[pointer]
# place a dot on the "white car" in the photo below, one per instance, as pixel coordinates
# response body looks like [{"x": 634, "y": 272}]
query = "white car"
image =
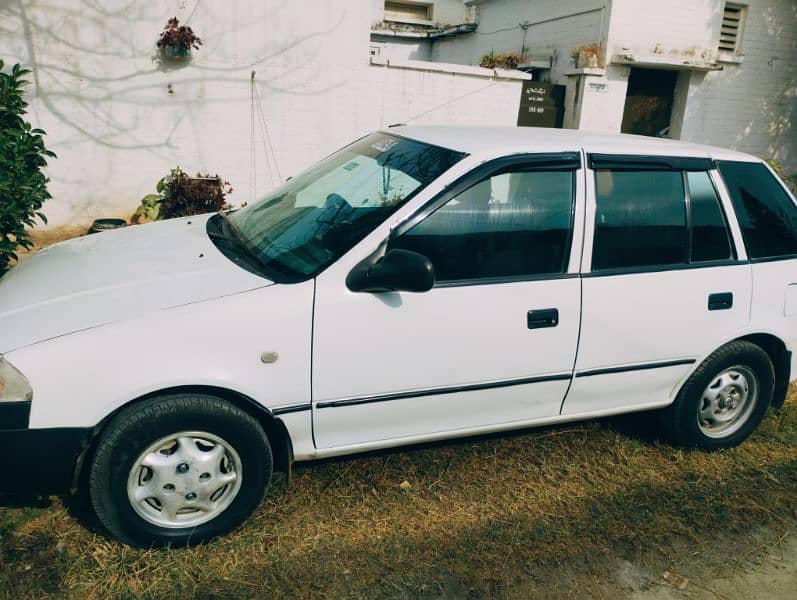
[{"x": 421, "y": 283}]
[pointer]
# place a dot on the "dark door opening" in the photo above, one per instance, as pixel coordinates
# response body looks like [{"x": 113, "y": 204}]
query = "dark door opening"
[{"x": 648, "y": 102}]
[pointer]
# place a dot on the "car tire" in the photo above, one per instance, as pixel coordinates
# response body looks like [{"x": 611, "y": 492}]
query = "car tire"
[
  {"x": 178, "y": 470},
  {"x": 723, "y": 400}
]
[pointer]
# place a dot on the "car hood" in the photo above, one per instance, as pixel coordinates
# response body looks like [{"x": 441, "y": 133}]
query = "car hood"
[{"x": 111, "y": 276}]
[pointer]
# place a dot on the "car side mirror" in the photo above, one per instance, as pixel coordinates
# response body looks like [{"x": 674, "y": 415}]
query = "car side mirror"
[{"x": 397, "y": 271}]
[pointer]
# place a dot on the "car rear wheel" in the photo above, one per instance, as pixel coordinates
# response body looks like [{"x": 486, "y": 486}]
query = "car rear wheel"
[
  {"x": 724, "y": 400},
  {"x": 179, "y": 470}
]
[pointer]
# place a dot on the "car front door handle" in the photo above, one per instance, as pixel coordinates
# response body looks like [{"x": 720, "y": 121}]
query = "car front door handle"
[
  {"x": 546, "y": 317},
  {"x": 720, "y": 301}
]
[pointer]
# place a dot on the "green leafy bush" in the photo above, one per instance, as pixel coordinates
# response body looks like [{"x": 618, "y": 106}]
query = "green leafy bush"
[{"x": 23, "y": 186}]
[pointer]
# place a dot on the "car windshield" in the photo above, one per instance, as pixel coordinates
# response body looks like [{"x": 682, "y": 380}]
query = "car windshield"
[{"x": 312, "y": 220}]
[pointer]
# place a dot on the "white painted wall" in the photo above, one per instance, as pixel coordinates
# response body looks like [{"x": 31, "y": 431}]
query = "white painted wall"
[
  {"x": 444, "y": 12},
  {"x": 752, "y": 106},
  {"x": 672, "y": 30},
  {"x": 119, "y": 121},
  {"x": 598, "y": 105},
  {"x": 397, "y": 48},
  {"x": 556, "y": 30}
]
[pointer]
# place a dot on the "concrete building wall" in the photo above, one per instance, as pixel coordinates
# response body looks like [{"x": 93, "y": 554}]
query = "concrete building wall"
[
  {"x": 665, "y": 31},
  {"x": 556, "y": 28},
  {"x": 119, "y": 119},
  {"x": 444, "y": 12},
  {"x": 397, "y": 48},
  {"x": 752, "y": 105},
  {"x": 747, "y": 102}
]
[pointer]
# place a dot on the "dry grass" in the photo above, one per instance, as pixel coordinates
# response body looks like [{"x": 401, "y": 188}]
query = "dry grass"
[{"x": 545, "y": 512}]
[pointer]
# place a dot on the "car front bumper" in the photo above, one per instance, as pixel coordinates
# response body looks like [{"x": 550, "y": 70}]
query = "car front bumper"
[{"x": 39, "y": 460}]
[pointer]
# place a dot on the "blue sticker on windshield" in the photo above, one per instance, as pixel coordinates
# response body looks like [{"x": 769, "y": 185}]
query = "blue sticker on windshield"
[{"x": 351, "y": 166}]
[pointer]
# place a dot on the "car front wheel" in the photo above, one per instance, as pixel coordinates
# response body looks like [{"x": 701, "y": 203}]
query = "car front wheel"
[{"x": 178, "y": 470}]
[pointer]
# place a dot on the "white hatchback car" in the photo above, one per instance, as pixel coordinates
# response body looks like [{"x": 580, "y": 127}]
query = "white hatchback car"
[{"x": 421, "y": 283}]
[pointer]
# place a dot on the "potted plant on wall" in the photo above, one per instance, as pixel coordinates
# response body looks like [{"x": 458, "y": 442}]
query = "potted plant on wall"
[
  {"x": 588, "y": 56},
  {"x": 176, "y": 41},
  {"x": 505, "y": 60},
  {"x": 179, "y": 195}
]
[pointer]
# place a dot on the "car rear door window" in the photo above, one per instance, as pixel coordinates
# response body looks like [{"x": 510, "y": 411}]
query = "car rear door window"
[
  {"x": 640, "y": 219},
  {"x": 710, "y": 237},
  {"x": 766, "y": 213},
  {"x": 512, "y": 225}
]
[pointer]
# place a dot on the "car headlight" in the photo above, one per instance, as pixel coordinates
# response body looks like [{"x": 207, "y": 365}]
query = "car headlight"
[{"x": 13, "y": 385}]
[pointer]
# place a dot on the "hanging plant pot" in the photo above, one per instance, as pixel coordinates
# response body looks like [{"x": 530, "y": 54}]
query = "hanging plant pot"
[
  {"x": 175, "y": 54},
  {"x": 176, "y": 41}
]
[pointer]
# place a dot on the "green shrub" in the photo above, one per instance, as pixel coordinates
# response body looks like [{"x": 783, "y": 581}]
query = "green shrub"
[{"x": 23, "y": 186}]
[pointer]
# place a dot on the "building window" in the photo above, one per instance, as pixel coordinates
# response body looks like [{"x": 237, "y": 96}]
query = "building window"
[
  {"x": 732, "y": 23},
  {"x": 408, "y": 11}
]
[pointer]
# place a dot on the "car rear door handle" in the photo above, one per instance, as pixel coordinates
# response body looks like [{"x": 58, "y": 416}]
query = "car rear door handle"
[
  {"x": 546, "y": 317},
  {"x": 720, "y": 301}
]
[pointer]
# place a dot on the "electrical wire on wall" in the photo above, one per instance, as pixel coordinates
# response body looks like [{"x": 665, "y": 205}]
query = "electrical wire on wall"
[
  {"x": 252, "y": 147},
  {"x": 188, "y": 20},
  {"x": 524, "y": 26},
  {"x": 447, "y": 102},
  {"x": 259, "y": 115}
]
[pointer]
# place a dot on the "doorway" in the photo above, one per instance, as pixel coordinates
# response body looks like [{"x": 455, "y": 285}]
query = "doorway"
[{"x": 648, "y": 102}]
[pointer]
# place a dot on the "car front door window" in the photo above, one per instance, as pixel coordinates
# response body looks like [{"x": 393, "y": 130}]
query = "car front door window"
[{"x": 512, "y": 225}]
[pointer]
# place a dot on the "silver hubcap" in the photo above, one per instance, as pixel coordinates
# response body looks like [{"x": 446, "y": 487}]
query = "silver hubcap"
[
  {"x": 728, "y": 402},
  {"x": 184, "y": 480}
]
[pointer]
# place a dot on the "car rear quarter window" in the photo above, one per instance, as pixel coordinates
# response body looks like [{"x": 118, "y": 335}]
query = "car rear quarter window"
[
  {"x": 640, "y": 219},
  {"x": 766, "y": 213},
  {"x": 710, "y": 236},
  {"x": 512, "y": 225}
]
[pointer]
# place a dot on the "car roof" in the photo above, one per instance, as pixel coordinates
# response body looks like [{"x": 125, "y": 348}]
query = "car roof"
[{"x": 475, "y": 140}]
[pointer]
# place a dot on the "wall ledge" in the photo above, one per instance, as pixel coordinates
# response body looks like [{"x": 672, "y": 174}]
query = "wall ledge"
[
  {"x": 423, "y": 65},
  {"x": 664, "y": 61},
  {"x": 599, "y": 71}
]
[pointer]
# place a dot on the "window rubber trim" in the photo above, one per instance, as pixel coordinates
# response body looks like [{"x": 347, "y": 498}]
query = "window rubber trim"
[
  {"x": 663, "y": 268},
  {"x": 502, "y": 280},
  {"x": 766, "y": 259},
  {"x": 641, "y": 162}
]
